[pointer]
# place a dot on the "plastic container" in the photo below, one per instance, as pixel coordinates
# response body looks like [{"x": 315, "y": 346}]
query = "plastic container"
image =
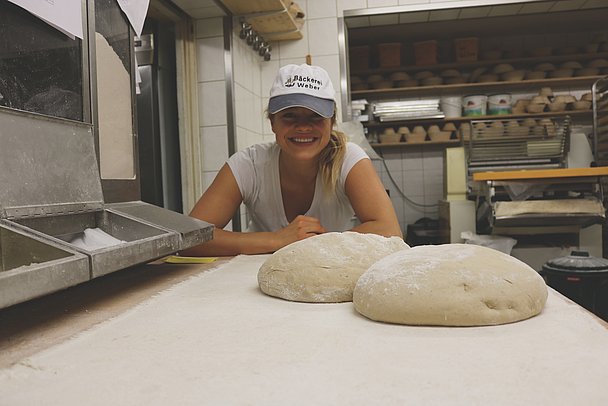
[
  {"x": 389, "y": 55},
  {"x": 474, "y": 105},
  {"x": 466, "y": 49},
  {"x": 425, "y": 53},
  {"x": 582, "y": 278},
  {"x": 499, "y": 104},
  {"x": 451, "y": 106}
]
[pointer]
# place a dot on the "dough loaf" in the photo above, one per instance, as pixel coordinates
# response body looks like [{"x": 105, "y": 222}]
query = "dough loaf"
[
  {"x": 450, "y": 285},
  {"x": 324, "y": 268}
]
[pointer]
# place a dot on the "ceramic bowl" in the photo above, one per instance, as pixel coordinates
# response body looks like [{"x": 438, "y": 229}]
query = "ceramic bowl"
[
  {"x": 440, "y": 136},
  {"x": 399, "y": 76},
  {"x": 546, "y": 67},
  {"x": 407, "y": 83},
  {"x": 556, "y": 106},
  {"x": 514, "y": 75},
  {"x": 432, "y": 81},
  {"x": 389, "y": 138},
  {"x": 374, "y": 78},
  {"x": 415, "y": 138},
  {"x": 581, "y": 105},
  {"x": 540, "y": 99},
  {"x": 564, "y": 98},
  {"x": 561, "y": 73},
  {"x": 449, "y": 127},
  {"x": 598, "y": 63},
  {"x": 536, "y": 75},
  {"x": 535, "y": 108},
  {"x": 424, "y": 74},
  {"x": 587, "y": 72},
  {"x": 503, "y": 68},
  {"x": 382, "y": 84},
  {"x": 571, "y": 65}
]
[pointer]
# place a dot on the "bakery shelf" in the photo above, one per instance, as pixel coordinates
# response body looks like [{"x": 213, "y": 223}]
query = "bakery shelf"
[
  {"x": 417, "y": 144},
  {"x": 480, "y": 63},
  {"x": 468, "y": 88},
  {"x": 572, "y": 113},
  {"x": 273, "y": 19}
]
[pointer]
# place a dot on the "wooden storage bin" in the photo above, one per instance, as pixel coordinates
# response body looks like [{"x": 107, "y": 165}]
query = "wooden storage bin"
[
  {"x": 425, "y": 52},
  {"x": 389, "y": 55},
  {"x": 359, "y": 57},
  {"x": 466, "y": 49}
]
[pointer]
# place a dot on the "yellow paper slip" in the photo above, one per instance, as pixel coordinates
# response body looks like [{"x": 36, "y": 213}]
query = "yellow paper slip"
[{"x": 176, "y": 259}]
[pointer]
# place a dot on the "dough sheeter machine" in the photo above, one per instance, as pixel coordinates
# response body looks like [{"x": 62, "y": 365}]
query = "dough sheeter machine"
[
  {"x": 520, "y": 180},
  {"x": 51, "y": 193}
]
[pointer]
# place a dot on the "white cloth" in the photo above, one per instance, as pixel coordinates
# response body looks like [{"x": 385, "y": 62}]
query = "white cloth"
[{"x": 256, "y": 170}]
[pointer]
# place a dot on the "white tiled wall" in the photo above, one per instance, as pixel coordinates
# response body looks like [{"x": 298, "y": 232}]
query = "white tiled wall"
[
  {"x": 211, "y": 96},
  {"x": 417, "y": 172}
]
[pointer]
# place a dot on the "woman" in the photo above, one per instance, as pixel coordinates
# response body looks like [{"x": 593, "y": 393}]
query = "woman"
[{"x": 310, "y": 181}]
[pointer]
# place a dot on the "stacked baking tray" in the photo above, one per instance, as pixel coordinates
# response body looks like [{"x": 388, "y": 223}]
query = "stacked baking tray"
[
  {"x": 407, "y": 110},
  {"x": 516, "y": 144},
  {"x": 51, "y": 196}
]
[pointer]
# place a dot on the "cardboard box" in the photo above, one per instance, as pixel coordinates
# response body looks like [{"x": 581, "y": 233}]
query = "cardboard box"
[
  {"x": 466, "y": 49},
  {"x": 389, "y": 55},
  {"x": 425, "y": 53}
]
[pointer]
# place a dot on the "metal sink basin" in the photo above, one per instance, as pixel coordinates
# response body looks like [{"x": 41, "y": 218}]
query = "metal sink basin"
[
  {"x": 142, "y": 242},
  {"x": 31, "y": 267}
]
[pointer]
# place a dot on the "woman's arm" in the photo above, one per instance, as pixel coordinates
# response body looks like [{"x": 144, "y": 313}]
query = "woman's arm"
[
  {"x": 218, "y": 205},
  {"x": 370, "y": 201}
]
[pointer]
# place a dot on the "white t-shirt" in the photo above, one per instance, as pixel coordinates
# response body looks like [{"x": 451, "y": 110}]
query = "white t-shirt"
[{"x": 256, "y": 170}]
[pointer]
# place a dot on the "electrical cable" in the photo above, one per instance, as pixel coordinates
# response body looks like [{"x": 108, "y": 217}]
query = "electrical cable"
[{"x": 407, "y": 199}]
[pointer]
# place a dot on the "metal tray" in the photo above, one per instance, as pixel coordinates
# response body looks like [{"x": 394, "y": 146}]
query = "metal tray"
[
  {"x": 31, "y": 266},
  {"x": 143, "y": 242},
  {"x": 191, "y": 231}
]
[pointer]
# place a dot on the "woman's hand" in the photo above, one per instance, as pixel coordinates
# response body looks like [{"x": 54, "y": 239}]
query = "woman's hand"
[{"x": 300, "y": 228}]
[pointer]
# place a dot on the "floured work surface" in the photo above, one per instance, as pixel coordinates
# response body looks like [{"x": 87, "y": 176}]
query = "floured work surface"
[
  {"x": 216, "y": 339},
  {"x": 559, "y": 206}
]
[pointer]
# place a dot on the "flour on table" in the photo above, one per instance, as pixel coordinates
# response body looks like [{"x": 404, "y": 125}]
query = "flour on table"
[
  {"x": 450, "y": 285},
  {"x": 324, "y": 268}
]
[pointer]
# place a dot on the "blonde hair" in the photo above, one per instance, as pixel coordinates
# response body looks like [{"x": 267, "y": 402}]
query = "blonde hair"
[{"x": 331, "y": 159}]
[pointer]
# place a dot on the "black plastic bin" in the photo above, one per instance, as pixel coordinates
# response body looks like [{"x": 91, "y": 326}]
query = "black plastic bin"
[{"x": 582, "y": 278}]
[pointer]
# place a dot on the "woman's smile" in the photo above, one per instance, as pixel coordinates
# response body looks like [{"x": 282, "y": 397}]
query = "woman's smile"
[{"x": 302, "y": 140}]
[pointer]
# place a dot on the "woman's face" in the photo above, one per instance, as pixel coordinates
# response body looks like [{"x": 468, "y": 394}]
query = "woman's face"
[{"x": 301, "y": 133}]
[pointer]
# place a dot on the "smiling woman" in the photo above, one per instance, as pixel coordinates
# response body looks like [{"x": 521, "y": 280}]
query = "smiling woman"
[{"x": 308, "y": 182}]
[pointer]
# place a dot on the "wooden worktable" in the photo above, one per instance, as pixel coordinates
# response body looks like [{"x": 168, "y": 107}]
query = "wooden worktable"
[
  {"x": 542, "y": 173},
  {"x": 216, "y": 339}
]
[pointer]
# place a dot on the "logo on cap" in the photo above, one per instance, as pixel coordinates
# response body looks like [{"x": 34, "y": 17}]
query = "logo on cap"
[{"x": 305, "y": 82}]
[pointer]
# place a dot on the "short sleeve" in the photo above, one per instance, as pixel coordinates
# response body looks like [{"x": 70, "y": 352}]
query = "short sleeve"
[
  {"x": 242, "y": 167},
  {"x": 354, "y": 154}
]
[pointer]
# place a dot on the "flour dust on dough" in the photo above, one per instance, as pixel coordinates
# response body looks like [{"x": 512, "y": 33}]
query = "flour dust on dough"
[
  {"x": 324, "y": 268},
  {"x": 450, "y": 285}
]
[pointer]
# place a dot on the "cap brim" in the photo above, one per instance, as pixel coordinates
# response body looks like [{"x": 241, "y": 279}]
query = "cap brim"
[{"x": 323, "y": 107}]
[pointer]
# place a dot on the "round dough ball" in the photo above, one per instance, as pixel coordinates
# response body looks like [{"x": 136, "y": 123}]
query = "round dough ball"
[
  {"x": 324, "y": 268},
  {"x": 450, "y": 285}
]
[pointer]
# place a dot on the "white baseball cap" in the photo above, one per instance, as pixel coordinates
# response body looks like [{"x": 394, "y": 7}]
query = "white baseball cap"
[{"x": 302, "y": 86}]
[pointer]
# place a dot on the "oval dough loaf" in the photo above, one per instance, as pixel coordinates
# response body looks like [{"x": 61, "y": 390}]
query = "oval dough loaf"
[
  {"x": 324, "y": 268},
  {"x": 450, "y": 285}
]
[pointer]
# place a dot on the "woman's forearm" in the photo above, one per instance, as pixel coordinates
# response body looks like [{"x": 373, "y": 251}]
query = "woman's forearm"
[{"x": 229, "y": 243}]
